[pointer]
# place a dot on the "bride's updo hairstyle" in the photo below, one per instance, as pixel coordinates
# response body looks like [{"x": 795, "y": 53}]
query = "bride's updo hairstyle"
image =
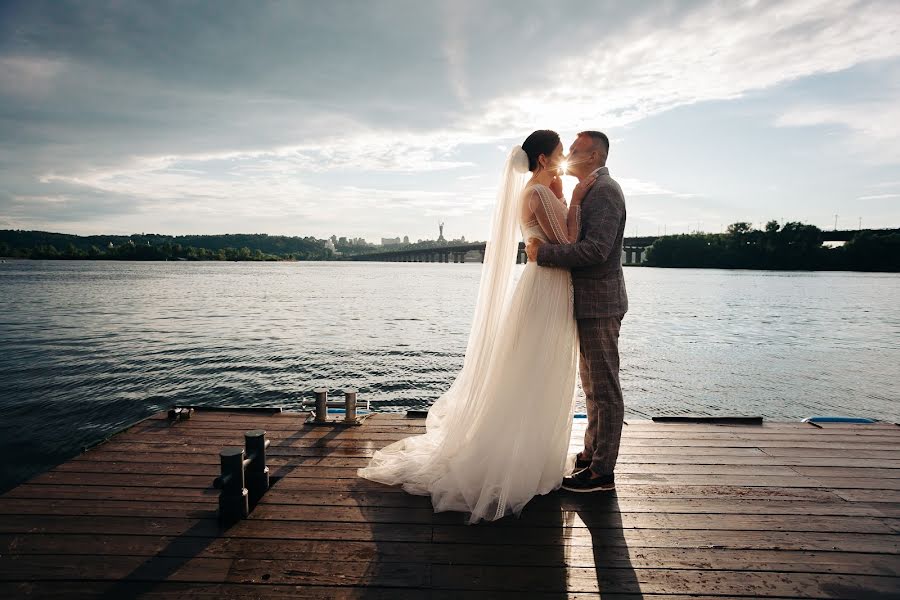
[{"x": 542, "y": 141}]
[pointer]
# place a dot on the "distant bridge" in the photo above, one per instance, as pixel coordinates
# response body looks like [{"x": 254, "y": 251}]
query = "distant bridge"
[
  {"x": 633, "y": 253},
  {"x": 634, "y": 250}
]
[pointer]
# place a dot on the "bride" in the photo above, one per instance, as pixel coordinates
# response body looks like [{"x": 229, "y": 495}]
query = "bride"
[{"x": 500, "y": 434}]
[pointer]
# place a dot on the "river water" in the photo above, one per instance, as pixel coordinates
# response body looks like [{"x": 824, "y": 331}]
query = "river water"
[{"x": 89, "y": 347}]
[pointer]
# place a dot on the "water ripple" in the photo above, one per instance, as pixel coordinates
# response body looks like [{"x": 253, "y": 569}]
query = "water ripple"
[{"x": 86, "y": 348}]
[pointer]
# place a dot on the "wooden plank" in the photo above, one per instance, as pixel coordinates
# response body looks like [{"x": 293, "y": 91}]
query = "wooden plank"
[
  {"x": 332, "y": 480},
  {"x": 286, "y": 427},
  {"x": 210, "y": 527},
  {"x": 296, "y": 491},
  {"x": 868, "y": 495},
  {"x": 352, "y": 447},
  {"x": 711, "y": 540},
  {"x": 619, "y": 503},
  {"x": 455, "y": 577},
  {"x": 314, "y": 467},
  {"x": 628, "y": 463},
  {"x": 569, "y": 536},
  {"x": 108, "y": 492},
  {"x": 406, "y": 515},
  {"x": 871, "y": 472},
  {"x": 622, "y": 489},
  {"x": 338, "y": 457},
  {"x": 228, "y": 591},
  {"x": 612, "y": 555},
  {"x": 124, "y": 479},
  {"x": 660, "y": 581},
  {"x": 212, "y": 570},
  {"x": 109, "y": 508},
  {"x": 282, "y": 426},
  {"x": 136, "y": 499},
  {"x": 831, "y": 452},
  {"x": 644, "y": 520},
  {"x": 292, "y": 433}
]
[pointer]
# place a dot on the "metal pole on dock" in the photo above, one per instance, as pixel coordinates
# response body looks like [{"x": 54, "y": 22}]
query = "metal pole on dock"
[
  {"x": 350, "y": 405},
  {"x": 257, "y": 473},
  {"x": 234, "y": 500},
  {"x": 321, "y": 405}
]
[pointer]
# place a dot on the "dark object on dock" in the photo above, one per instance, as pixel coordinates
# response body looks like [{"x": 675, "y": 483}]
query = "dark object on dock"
[
  {"x": 711, "y": 420},
  {"x": 180, "y": 413},
  {"x": 256, "y": 473},
  {"x": 261, "y": 410},
  {"x": 234, "y": 501},
  {"x": 244, "y": 476},
  {"x": 416, "y": 414},
  {"x": 321, "y": 406}
]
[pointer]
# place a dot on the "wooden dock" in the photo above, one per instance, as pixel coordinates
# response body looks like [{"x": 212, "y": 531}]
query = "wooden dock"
[{"x": 784, "y": 510}]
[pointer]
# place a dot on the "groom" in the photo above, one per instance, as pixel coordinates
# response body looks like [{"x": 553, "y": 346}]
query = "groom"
[{"x": 600, "y": 303}]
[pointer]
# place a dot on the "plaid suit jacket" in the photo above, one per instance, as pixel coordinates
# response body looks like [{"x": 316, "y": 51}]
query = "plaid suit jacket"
[{"x": 596, "y": 257}]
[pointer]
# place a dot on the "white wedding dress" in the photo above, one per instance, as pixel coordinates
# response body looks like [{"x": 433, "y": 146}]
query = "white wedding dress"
[{"x": 500, "y": 434}]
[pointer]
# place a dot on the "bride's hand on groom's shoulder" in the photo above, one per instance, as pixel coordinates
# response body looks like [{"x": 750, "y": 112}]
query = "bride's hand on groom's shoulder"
[{"x": 582, "y": 188}]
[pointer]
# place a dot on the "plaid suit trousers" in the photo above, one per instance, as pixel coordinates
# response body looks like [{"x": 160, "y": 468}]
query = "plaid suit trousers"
[{"x": 599, "y": 368}]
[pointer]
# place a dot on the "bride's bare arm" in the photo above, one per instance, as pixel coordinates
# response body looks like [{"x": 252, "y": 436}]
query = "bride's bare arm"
[{"x": 560, "y": 224}]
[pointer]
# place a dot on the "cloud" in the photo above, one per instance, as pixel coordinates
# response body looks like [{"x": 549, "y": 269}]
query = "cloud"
[
  {"x": 28, "y": 76},
  {"x": 871, "y": 129},
  {"x": 879, "y": 197},
  {"x": 454, "y": 47},
  {"x": 720, "y": 51},
  {"x": 637, "y": 187},
  {"x": 156, "y": 106}
]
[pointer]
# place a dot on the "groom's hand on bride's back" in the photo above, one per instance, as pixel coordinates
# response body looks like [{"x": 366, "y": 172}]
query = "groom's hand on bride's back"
[{"x": 532, "y": 247}]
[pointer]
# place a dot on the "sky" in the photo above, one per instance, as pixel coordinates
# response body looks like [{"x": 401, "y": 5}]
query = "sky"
[{"x": 382, "y": 119}]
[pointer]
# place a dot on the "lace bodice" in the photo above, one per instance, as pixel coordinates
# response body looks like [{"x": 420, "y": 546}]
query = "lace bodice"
[{"x": 546, "y": 217}]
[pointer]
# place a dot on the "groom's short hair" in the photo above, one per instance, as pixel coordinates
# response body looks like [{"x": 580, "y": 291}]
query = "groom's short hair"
[{"x": 599, "y": 139}]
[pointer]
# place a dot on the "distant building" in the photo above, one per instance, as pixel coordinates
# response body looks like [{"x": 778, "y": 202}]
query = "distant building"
[
  {"x": 342, "y": 241},
  {"x": 391, "y": 241},
  {"x": 329, "y": 245},
  {"x": 405, "y": 239}
]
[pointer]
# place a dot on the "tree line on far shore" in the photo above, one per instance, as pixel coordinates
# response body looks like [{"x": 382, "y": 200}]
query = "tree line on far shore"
[
  {"x": 230, "y": 247},
  {"x": 792, "y": 246}
]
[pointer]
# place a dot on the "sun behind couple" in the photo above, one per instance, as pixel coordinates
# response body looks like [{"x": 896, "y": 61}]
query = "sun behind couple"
[{"x": 500, "y": 434}]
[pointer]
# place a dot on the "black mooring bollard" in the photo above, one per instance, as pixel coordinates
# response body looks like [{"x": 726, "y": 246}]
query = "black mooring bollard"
[
  {"x": 257, "y": 473},
  {"x": 234, "y": 500}
]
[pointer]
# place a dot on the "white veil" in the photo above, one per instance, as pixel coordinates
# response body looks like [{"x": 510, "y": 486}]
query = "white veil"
[
  {"x": 416, "y": 461},
  {"x": 494, "y": 291}
]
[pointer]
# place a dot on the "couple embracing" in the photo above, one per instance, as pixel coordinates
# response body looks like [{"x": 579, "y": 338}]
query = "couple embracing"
[{"x": 500, "y": 435}]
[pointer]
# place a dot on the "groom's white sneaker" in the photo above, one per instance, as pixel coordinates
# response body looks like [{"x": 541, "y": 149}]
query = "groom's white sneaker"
[{"x": 584, "y": 481}]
